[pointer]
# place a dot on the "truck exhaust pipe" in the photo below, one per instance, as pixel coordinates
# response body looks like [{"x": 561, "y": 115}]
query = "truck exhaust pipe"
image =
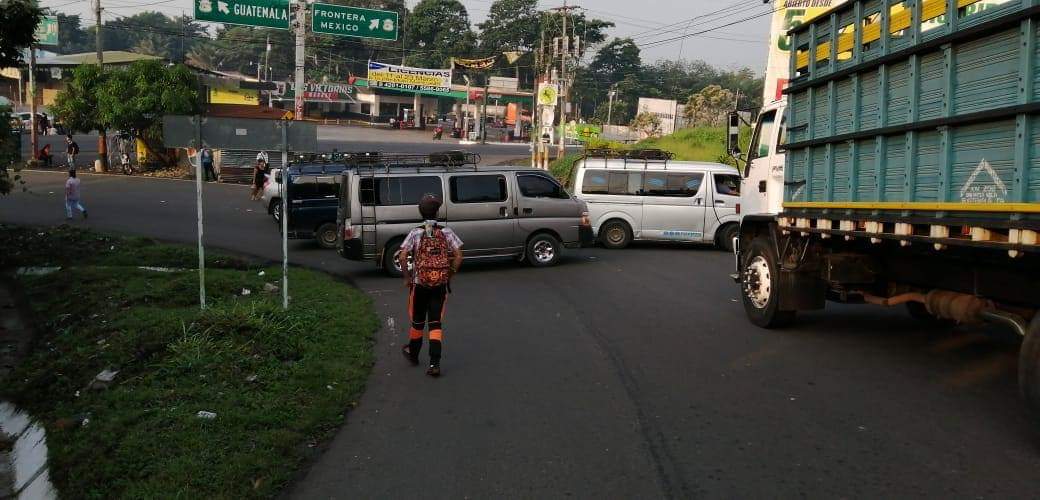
[{"x": 959, "y": 307}]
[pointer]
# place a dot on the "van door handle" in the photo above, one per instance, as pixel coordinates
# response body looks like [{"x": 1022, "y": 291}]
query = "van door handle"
[
  {"x": 720, "y": 202},
  {"x": 528, "y": 211},
  {"x": 697, "y": 201},
  {"x": 502, "y": 211}
]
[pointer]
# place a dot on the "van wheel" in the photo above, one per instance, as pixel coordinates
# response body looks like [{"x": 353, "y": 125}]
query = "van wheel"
[
  {"x": 326, "y": 235},
  {"x": 759, "y": 286},
  {"x": 391, "y": 264},
  {"x": 615, "y": 234},
  {"x": 1029, "y": 368},
  {"x": 725, "y": 238},
  {"x": 543, "y": 250},
  {"x": 275, "y": 209}
]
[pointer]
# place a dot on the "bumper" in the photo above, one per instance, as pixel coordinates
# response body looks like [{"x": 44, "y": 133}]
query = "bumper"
[{"x": 351, "y": 249}]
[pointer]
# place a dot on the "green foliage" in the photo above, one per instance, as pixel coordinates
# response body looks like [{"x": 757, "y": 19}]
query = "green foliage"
[
  {"x": 136, "y": 98},
  {"x": 647, "y": 124},
  {"x": 144, "y": 439},
  {"x": 18, "y": 20},
  {"x": 710, "y": 106},
  {"x": 9, "y": 154},
  {"x": 697, "y": 144},
  {"x": 563, "y": 169},
  {"x": 511, "y": 25},
  {"x": 72, "y": 38},
  {"x": 77, "y": 104},
  {"x": 441, "y": 30}
]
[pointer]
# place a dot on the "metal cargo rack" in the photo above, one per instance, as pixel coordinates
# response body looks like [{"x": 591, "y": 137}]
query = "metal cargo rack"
[
  {"x": 637, "y": 157},
  {"x": 373, "y": 163}
]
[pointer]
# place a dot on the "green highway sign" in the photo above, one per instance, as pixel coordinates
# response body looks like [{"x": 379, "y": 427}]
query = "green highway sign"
[
  {"x": 265, "y": 13},
  {"x": 340, "y": 20}
]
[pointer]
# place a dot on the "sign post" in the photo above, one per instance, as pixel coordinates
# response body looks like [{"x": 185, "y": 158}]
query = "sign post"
[
  {"x": 283, "y": 191},
  {"x": 341, "y": 20},
  {"x": 198, "y": 207},
  {"x": 264, "y": 13}
]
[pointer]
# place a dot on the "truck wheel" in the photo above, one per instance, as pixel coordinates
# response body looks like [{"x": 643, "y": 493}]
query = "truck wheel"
[
  {"x": 615, "y": 234},
  {"x": 1029, "y": 367},
  {"x": 725, "y": 238},
  {"x": 391, "y": 264},
  {"x": 759, "y": 286},
  {"x": 543, "y": 250},
  {"x": 275, "y": 209},
  {"x": 326, "y": 235}
]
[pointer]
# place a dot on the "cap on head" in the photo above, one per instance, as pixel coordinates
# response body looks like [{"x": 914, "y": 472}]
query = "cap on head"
[
  {"x": 428, "y": 206},
  {"x": 72, "y": 172},
  {"x": 261, "y": 156}
]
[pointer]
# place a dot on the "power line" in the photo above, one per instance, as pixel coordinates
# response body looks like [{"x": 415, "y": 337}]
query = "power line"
[{"x": 701, "y": 32}]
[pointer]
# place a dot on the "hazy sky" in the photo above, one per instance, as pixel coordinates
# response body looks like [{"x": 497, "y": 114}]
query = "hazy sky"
[{"x": 647, "y": 21}]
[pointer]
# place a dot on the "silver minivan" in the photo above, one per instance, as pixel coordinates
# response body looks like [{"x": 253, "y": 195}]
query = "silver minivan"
[
  {"x": 497, "y": 211},
  {"x": 643, "y": 195}
]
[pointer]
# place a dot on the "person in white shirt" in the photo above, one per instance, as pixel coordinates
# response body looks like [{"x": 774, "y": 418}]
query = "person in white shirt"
[{"x": 72, "y": 196}]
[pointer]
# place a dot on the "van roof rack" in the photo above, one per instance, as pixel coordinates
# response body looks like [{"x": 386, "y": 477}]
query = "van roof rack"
[
  {"x": 388, "y": 161},
  {"x": 637, "y": 157}
]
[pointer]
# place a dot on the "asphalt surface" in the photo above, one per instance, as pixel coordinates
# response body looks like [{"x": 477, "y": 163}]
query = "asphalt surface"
[{"x": 627, "y": 374}]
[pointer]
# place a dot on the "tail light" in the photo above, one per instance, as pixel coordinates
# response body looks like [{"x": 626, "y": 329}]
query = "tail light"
[
  {"x": 738, "y": 208},
  {"x": 348, "y": 232},
  {"x": 585, "y": 219}
]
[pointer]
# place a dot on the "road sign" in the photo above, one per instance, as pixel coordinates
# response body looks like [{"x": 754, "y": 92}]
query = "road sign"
[
  {"x": 238, "y": 133},
  {"x": 341, "y": 20},
  {"x": 47, "y": 31},
  {"x": 265, "y": 13},
  {"x": 548, "y": 93}
]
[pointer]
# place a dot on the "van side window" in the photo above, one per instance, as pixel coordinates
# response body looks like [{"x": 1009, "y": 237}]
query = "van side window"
[
  {"x": 594, "y": 182},
  {"x": 394, "y": 191},
  {"x": 478, "y": 189},
  {"x": 672, "y": 184},
  {"x": 727, "y": 184},
  {"x": 540, "y": 186}
]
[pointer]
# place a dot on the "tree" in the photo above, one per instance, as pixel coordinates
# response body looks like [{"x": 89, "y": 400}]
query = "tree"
[
  {"x": 441, "y": 30},
  {"x": 72, "y": 38},
  {"x": 153, "y": 33},
  {"x": 136, "y": 99},
  {"x": 77, "y": 105},
  {"x": 647, "y": 124},
  {"x": 709, "y": 106},
  {"x": 18, "y": 20},
  {"x": 615, "y": 61},
  {"x": 511, "y": 25}
]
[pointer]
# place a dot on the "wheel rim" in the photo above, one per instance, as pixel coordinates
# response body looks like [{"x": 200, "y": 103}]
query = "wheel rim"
[
  {"x": 544, "y": 251},
  {"x": 329, "y": 236},
  {"x": 757, "y": 282},
  {"x": 616, "y": 235},
  {"x": 397, "y": 261},
  {"x": 277, "y": 212}
]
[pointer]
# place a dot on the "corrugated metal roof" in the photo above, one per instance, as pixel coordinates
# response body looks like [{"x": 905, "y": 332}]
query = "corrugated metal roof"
[{"x": 110, "y": 57}]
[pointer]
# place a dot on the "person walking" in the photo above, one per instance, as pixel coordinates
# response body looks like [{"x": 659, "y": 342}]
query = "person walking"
[
  {"x": 207, "y": 164},
  {"x": 437, "y": 253},
  {"x": 71, "y": 150},
  {"x": 259, "y": 175},
  {"x": 72, "y": 196}
]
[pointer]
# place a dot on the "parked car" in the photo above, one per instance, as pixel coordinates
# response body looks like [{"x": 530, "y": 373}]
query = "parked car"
[
  {"x": 643, "y": 195},
  {"x": 497, "y": 211},
  {"x": 312, "y": 194}
]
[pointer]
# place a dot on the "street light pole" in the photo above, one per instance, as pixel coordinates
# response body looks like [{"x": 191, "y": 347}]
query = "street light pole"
[
  {"x": 102, "y": 140},
  {"x": 610, "y": 102},
  {"x": 301, "y": 40}
]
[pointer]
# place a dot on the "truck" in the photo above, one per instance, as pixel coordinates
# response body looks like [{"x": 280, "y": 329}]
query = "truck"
[{"x": 901, "y": 167}]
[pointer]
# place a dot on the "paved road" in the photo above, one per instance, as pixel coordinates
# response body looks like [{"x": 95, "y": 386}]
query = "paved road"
[{"x": 629, "y": 374}]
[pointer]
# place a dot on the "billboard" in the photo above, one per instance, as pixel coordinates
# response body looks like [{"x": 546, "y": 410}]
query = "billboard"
[
  {"x": 315, "y": 92},
  {"x": 788, "y": 14},
  {"x": 47, "y": 31},
  {"x": 392, "y": 76},
  {"x": 664, "y": 109}
]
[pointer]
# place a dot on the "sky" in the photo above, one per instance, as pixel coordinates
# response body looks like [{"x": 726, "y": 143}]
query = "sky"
[{"x": 742, "y": 44}]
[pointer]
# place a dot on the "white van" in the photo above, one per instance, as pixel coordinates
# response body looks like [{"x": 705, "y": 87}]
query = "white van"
[{"x": 643, "y": 195}]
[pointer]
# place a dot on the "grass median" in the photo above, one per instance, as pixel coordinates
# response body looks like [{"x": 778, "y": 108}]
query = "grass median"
[{"x": 278, "y": 382}]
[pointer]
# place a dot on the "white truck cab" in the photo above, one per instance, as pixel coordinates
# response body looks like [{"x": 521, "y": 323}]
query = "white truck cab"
[{"x": 762, "y": 170}]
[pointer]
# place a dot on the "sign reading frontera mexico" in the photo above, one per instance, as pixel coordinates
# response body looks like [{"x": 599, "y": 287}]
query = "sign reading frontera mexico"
[
  {"x": 392, "y": 76},
  {"x": 266, "y": 13}
]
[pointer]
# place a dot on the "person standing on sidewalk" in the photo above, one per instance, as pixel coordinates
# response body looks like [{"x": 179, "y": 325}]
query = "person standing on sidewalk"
[
  {"x": 437, "y": 253},
  {"x": 207, "y": 164},
  {"x": 72, "y": 199},
  {"x": 259, "y": 175},
  {"x": 71, "y": 150}
]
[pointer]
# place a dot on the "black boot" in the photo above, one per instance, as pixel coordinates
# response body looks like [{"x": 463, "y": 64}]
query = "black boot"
[
  {"x": 435, "y": 359},
  {"x": 411, "y": 351}
]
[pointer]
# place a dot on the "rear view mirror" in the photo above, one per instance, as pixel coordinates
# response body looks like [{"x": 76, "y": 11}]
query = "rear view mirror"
[{"x": 733, "y": 134}]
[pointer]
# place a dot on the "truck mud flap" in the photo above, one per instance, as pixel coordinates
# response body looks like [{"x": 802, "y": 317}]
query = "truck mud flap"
[{"x": 801, "y": 291}]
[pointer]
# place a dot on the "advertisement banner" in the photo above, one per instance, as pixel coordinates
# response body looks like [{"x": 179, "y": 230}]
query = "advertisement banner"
[
  {"x": 789, "y": 14},
  {"x": 315, "y": 92},
  {"x": 664, "y": 109},
  {"x": 392, "y": 76},
  {"x": 47, "y": 31}
]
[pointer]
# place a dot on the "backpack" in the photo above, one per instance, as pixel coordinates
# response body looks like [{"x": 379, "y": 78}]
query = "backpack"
[{"x": 433, "y": 259}]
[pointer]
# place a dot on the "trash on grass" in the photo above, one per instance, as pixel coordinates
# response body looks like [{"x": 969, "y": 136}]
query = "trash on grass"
[
  {"x": 208, "y": 415},
  {"x": 246, "y": 291}
]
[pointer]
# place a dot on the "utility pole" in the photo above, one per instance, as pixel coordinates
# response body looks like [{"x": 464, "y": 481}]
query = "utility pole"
[
  {"x": 102, "y": 140},
  {"x": 267, "y": 60},
  {"x": 610, "y": 103},
  {"x": 565, "y": 49},
  {"x": 301, "y": 39},
  {"x": 33, "y": 137}
]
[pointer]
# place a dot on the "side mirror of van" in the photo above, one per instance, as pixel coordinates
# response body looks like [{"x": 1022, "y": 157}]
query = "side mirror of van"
[{"x": 733, "y": 134}]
